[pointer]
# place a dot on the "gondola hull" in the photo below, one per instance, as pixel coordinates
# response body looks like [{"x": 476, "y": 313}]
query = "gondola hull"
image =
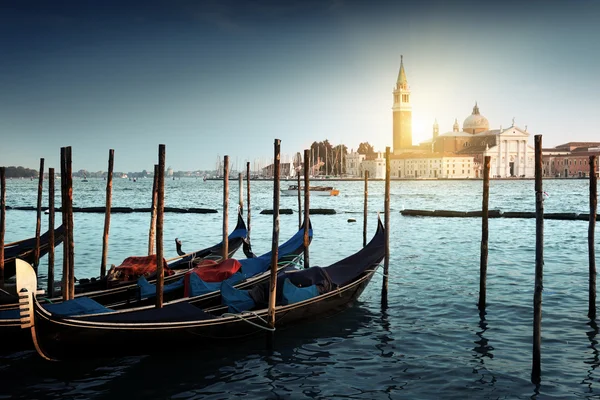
[
  {"x": 25, "y": 250},
  {"x": 180, "y": 326},
  {"x": 60, "y": 339}
]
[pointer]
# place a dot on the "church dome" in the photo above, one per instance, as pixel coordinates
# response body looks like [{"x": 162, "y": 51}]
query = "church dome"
[{"x": 475, "y": 122}]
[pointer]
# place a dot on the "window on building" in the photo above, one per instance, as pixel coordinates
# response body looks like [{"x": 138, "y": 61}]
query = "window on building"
[
  {"x": 447, "y": 172},
  {"x": 468, "y": 171},
  {"x": 463, "y": 172},
  {"x": 453, "y": 172}
]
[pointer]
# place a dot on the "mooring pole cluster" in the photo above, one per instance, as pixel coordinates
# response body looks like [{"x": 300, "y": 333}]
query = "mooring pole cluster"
[
  {"x": 38, "y": 224},
  {"x": 225, "y": 206},
  {"x": 160, "y": 214},
  {"x": 152, "y": 231},
  {"x": 591, "y": 236},
  {"x": 111, "y": 159},
  {"x": 51, "y": 224},
  {"x": 248, "y": 198},
  {"x": 275, "y": 240},
  {"x": 306, "y": 207}
]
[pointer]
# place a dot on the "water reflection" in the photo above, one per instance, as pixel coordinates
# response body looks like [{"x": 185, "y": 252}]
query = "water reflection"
[
  {"x": 481, "y": 352},
  {"x": 301, "y": 360},
  {"x": 594, "y": 360}
]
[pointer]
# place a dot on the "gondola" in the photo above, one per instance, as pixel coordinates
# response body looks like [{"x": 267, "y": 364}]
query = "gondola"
[
  {"x": 25, "y": 250},
  {"x": 105, "y": 292},
  {"x": 308, "y": 294},
  {"x": 138, "y": 295}
]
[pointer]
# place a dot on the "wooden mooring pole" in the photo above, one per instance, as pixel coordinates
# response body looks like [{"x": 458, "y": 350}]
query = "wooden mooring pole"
[
  {"x": 591, "y": 236},
  {"x": 51, "y": 224},
  {"x": 69, "y": 165},
  {"x": 111, "y": 158},
  {"x": 2, "y": 221},
  {"x": 241, "y": 192},
  {"x": 386, "y": 260},
  {"x": 225, "y": 206},
  {"x": 536, "y": 371},
  {"x": 306, "y": 207},
  {"x": 152, "y": 231},
  {"x": 483, "y": 260},
  {"x": 38, "y": 223},
  {"x": 365, "y": 208},
  {"x": 65, "y": 223},
  {"x": 275, "y": 241},
  {"x": 299, "y": 199},
  {"x": 248, "y": 198},
  {"x": 160, "y": 214}
]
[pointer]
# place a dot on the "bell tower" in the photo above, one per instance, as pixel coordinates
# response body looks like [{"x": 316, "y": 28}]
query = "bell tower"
[{"x": 402, "y": 113}]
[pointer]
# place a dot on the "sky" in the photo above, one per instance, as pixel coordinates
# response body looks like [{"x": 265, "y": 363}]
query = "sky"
[{"x": 221, "y": 77}]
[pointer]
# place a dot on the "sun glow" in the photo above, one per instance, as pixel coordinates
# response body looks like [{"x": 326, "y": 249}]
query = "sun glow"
[{"x": 422, "y": 128}]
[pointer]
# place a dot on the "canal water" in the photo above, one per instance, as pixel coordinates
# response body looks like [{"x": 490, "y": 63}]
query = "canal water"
[{"x": 430, "y": 343}]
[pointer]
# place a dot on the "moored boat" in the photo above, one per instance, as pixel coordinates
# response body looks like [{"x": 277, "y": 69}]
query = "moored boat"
[
  {"x": 292, "y": 190},
  {"x": 141, "y": 293},
  {"x": 25, "y": 250},
  {"x": 180, "y": 326}
]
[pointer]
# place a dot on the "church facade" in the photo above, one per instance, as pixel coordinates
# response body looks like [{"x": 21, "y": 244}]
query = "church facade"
[{"x": 455, "y": 154}]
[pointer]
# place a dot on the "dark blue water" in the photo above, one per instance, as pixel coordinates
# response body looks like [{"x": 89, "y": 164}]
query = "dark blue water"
[{"x": 431, "y": 342}]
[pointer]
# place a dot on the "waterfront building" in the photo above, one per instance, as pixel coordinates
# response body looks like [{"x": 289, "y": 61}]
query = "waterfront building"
[
  {"x": 570, "y": 160},
  {"x": 375, "y": 164},
  {"x": 353, "y": 163},
  {"x": 433, "y": 166}
]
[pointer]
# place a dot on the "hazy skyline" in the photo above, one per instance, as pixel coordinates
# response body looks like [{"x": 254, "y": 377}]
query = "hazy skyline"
[{"x": 223, "y": 77}]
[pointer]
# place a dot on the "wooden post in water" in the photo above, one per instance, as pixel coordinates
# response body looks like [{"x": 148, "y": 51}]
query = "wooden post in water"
[
  {"x": 111, "y": 157},
  {"x": 2, "y": 221},
  {"x": 386, "y": 260},
  {"x": 65, "y": 223},
  {"x": 536, "y": 371},
  {"x": 241, "y": 192},
  {"x": 248, "y": 198},
  {"x": 275, "y": 242},
  {"x": 483, "y": 260},
  {"x": 69, "y": 165},
  {"x": 299, "y": 199},
  {"x": 591, "y": 236},
  {"x": 51, "y": 224},
  {"x": 306, "y": 207},
  {"x": 38, "y": 224},
  {"x": 365, "y": 208},
  {"x": 225, "y": 206},
  {"x": 151, "y": 242},
  {"x": 160, "y": 214}
]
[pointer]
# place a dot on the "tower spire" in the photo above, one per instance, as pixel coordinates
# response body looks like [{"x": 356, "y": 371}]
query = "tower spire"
[{"x": 402, "y": 82}]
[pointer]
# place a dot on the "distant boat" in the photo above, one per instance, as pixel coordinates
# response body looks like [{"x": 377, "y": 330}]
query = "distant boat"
[
  {"x": 135, "y": 179},
  {"x": 84, "y": 178},
  {"x": 314, "y": 190}
]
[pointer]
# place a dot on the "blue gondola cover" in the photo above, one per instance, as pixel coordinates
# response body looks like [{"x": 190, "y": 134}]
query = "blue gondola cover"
[
  {"x": 78, "y": 306},
  {"x": 293, "y": 294},
  {"x": 148, "y": 290},
  {"x": 236, "y": 300}
]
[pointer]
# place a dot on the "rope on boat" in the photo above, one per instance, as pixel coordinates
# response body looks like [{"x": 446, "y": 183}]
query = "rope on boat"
[
  {"x": 266, "y": 328},
  {"x": 382, "y": 274}
]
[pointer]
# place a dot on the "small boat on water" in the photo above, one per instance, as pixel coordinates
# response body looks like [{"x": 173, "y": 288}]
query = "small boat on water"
[
  {"x": 302, "y": 295},
  {"x": 25, "y": 250},
  {"x": 314, "y": 190}
]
